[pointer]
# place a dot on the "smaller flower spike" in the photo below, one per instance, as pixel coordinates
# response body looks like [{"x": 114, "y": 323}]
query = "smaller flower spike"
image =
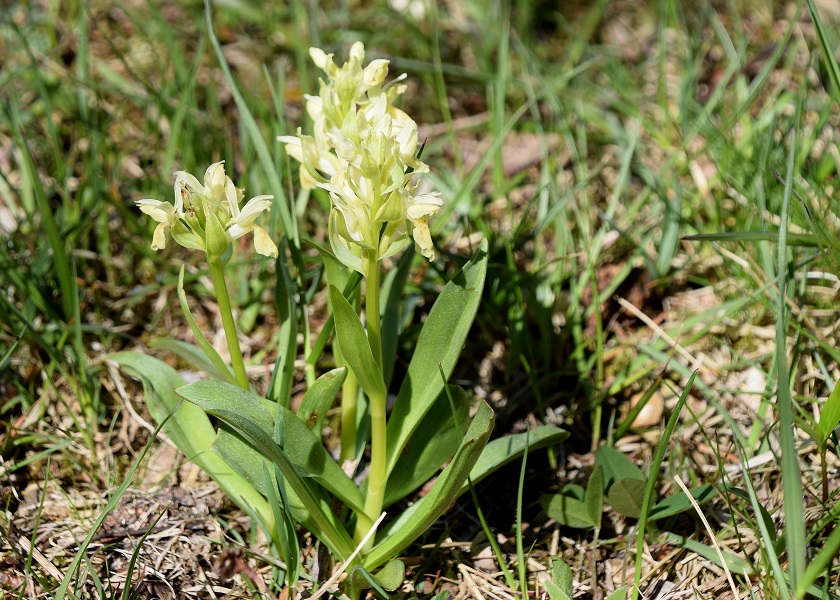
[{"x": 216, "y": 199}]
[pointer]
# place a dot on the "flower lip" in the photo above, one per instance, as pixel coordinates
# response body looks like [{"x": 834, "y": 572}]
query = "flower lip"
[{"x": 162, "y": 212}]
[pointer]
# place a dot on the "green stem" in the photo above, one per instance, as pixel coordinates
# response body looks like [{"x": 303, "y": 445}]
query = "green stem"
[
  {"x": 309, "y": 368},
  {"x": 372, "y": 308},
  {"x": 377, "y": 477},
  {"x": 349, "y": 395},
  {"x": 217, "y": 274},
  {"x": 349, "y": 406}
]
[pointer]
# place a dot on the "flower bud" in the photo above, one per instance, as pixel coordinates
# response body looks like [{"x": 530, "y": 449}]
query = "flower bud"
[{"x": 215, "y": 241}]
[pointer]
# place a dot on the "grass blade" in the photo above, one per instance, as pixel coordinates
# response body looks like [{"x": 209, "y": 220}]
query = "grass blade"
[
  {"x": 650, "y": 492},
  {"x": 289, "y": 224},
  {"x": 827, "y": 51},
  {"x": 791, "y": 476},
  {"x": 32, "y": 179}
]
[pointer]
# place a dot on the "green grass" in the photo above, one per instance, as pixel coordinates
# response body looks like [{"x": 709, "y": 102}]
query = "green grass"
[{"x": 646, "y": 123}]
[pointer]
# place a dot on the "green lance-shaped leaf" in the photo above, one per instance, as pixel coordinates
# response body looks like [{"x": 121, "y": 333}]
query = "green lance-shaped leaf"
[
  {"x": 318, "y": 398},
  {"x": 303, "y": 447},
  {"x": 438, "y": 346},
  {"x": 434, "y": 443},
  {"x": 423, "y": 513},
  {"x": 355, "y": 346},
  {"x": 829, "y": 417},
  {"x": 342, "y": 278},
  {"x": 337, "y": 272},
  {"x": 679, "y": 502},
  {"x": 245, "y": 412},
  {"x": 286, "y": 536},
  {"x": 241, "y": 457},
  {"x": 249, "y": 464},
  {"x": 503, "y": 450},
  {"x": 734, "y": 563},
  {"x": 190, "y": 429}
]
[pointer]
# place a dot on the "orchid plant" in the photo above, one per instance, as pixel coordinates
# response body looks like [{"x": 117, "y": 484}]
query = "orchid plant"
[{"x": 272, "y": 461}]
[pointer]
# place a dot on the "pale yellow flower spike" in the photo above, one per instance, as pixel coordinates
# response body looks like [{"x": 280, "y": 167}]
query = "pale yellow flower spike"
[{"x": 363, "y": 152}]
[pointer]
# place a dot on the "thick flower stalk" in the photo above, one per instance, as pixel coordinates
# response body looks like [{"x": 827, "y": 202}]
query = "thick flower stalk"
[{"x": 207, "y": 217}]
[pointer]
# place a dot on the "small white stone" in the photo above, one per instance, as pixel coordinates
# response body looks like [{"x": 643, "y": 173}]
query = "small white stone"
[
  {"x": 753, "y": 385},
  {"x": 651, "y": 413}
]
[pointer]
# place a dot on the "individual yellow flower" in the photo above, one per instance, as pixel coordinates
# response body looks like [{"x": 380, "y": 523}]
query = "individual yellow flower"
[
  {"x": 418, "y": 211},
  {"x": 242, "y": 223},
  {"x": 166, "y": 216},
  {"x": 317, "y": 163}
]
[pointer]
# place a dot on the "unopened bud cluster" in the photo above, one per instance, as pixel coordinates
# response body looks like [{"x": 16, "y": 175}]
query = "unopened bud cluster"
[{"x": 363, "y": 152}]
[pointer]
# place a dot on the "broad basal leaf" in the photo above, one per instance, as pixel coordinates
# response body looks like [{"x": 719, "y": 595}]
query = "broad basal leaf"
[
  {"x": 438, "y": 346},
  {"x": 433, "y": 443},
  {"x": 190, "y": 429},
  {"x": 249, "y": 464},
  {"x": 319, "y": 397},
  {"x": 501, "y": 451},
  {"x": 303, "y": 457}
]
